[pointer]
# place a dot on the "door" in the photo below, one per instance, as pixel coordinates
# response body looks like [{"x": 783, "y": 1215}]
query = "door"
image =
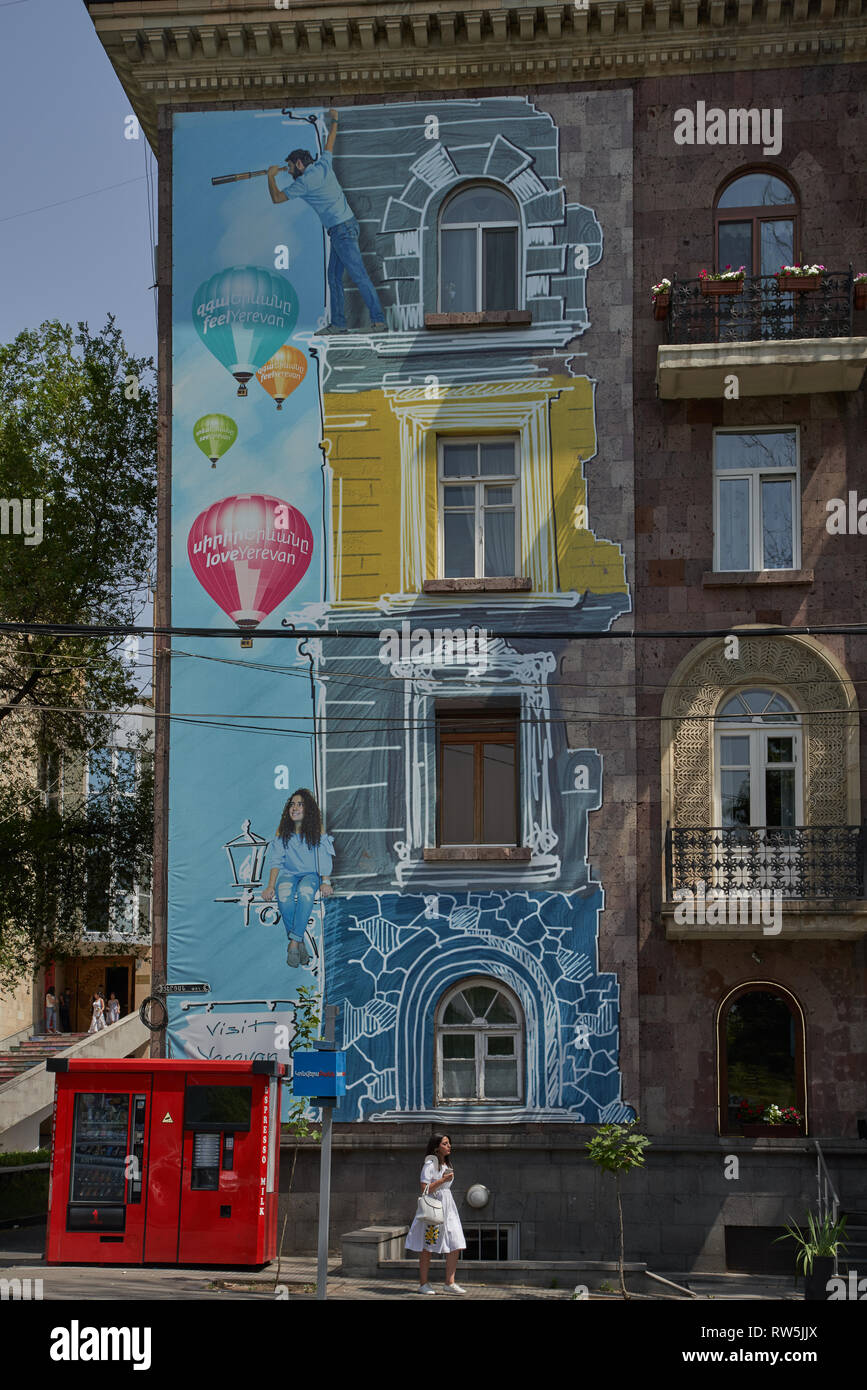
[
  {"x": 759, "y": 807},
  {"x": 104, "y": 1128}
]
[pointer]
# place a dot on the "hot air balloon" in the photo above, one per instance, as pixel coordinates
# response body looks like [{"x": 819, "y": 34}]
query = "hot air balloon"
[
  {"x": 286, "y": 370},
  {"x": 243, "y": 315},
  {"x": 249, "y": 552},
  {"x": 215, "y": 435}
]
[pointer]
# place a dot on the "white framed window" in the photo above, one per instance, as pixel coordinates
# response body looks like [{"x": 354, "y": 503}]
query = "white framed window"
[
  {"x": 50, "y": 780},
  {"x": 113, "y": 773},
  {"x": 479, "y": 1044},
  {"x": 478, "y": 483},
  {"x": 757, "y": 500},
  {"x": 759, "y": 761},
  {"x": 479, "y": 246}
]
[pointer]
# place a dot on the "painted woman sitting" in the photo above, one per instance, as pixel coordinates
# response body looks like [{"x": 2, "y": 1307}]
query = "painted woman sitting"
[{"x": 300, "y": 859}]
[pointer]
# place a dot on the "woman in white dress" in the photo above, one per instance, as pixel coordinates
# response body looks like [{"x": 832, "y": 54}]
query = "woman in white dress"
[
  {"x": 446, "y": 1238},
  {"x": 98, "y": 1021}
]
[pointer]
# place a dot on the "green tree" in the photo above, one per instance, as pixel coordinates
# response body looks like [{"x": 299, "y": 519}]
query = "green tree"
[
  {"x": 616, "y": 1149},
  {"x": 78, "y": 429}
]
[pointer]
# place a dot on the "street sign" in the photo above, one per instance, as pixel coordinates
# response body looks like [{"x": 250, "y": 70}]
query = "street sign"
[{"x": 319, "y": 1074}]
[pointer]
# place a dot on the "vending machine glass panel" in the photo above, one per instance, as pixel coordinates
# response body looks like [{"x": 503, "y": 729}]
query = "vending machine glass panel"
[{"x": 99, "y": 1148}]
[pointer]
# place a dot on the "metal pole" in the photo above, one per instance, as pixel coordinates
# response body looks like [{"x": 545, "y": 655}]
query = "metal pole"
[{"x": 326, "y": 1044}]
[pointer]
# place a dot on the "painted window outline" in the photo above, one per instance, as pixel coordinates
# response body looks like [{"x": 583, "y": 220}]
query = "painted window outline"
[
  {"x": 479, "y": 482},
  {"x": 482, "y": 727},
  {"x": 481, "y": 1032},
  {"x": 480, "y": 227},
  {"x": 756, "y": 476},
  {"x": 759, "y": 728},
  {"x": 724, "y": 1125},
  {"x": 756, "y": 214}
]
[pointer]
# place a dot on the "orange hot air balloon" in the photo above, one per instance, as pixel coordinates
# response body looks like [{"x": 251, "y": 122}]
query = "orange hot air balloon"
[{"x": 285, "y": 370}]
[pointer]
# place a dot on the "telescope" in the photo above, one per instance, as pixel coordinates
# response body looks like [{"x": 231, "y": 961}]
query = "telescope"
[{"x": 238, "y": 178}]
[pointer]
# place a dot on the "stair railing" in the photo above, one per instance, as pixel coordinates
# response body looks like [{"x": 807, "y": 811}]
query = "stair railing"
[{"x": 829, "y": 1202}]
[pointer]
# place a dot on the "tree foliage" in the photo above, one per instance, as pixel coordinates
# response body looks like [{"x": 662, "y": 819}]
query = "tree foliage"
[{"x": 78, "y": 428}]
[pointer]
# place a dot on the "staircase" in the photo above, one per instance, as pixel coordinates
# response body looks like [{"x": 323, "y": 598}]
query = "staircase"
[{"x": 21, "y": 1056}]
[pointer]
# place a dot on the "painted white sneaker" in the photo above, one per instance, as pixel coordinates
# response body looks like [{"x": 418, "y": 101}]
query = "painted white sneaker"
[
  {"x": 426, "y": 1288},
  {"x": 454, "y": 1288}
]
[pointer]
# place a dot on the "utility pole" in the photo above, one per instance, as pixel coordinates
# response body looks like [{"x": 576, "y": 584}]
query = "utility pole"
[{"x": 325, "y": 1044}]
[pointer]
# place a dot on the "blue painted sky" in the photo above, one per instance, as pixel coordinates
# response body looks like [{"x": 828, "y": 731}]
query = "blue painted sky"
[{"x": 62, "y": 111}]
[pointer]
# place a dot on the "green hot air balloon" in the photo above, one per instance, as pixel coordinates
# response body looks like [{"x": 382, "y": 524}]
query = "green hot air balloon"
[
  {"x": 243, "y": 315},
  {"x": 215, "y": 434}
]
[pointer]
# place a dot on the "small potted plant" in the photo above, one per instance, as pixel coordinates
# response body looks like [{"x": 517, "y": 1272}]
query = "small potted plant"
[
  {"x": 728, "y": 281},
  {"x": 661, "y": 295},
  {"x": 759, "y": 1120},
  {"x": 798, "y": 278},
  {"x": 817, "y": 1248},
  {"x": 861, "y": 290}
]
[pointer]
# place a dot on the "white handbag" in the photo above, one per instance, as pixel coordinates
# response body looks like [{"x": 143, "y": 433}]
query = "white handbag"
[{"x": 429, "y": 1209}]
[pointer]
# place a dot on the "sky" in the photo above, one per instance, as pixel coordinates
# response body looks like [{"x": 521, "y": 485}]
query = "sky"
[{"x": 63, "y": 116}]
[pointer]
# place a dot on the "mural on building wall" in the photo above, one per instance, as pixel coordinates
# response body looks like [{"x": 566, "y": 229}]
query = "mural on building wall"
[{"x": 408, "y": 286}]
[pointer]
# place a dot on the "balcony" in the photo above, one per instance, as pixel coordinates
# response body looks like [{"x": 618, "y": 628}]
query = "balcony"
[
  {"x": 773, "y": 342},
  {"x": 755, "y": 882}
]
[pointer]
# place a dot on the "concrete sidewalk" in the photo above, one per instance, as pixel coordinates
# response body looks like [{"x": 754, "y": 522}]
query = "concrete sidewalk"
[{"x": 21, "y": 1258}]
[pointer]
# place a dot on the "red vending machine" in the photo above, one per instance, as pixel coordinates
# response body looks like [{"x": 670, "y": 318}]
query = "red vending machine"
[{"x": 164, "y": 1162}]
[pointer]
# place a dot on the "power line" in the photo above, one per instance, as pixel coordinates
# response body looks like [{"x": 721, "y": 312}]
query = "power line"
[
  {"x": 77, "y": 198},
  {"x": 554, "y": 635}
]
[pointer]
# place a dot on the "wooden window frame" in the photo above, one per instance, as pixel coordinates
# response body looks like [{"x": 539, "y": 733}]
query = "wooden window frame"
[
  {"x": 481, "y": 729},
  {"x": 755, "y": 214}
]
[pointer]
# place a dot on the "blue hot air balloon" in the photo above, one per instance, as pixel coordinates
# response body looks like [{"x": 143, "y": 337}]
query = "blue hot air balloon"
[{"x": 243, "y": 315}]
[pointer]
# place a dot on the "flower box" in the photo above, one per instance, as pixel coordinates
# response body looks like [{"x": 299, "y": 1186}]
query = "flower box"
[
  {"x": 660, "y": 306},
  {"x": 861, "y": 294},
  {"x": 762, "y": 1130},
  {"x": 711, "y": 287},
  {"x": 794, "y": 284}
]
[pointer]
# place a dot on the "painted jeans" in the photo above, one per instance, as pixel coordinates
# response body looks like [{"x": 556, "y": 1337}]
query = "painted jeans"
[
  {"x": 295, "y": 894},
  {"x": 346, "y": 256}
]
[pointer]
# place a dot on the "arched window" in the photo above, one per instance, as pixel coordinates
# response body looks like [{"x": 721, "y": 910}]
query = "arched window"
[
  {"x": 758, "y": 760},
  {"x": 479, "y": 1044},
  {"x": 760, "y": 1051},
  {"x": 478, "y": 251},
  {"x": 756, "y": 223}
]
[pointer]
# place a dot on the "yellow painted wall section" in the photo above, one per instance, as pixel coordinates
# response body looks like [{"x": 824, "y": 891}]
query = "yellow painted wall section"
[
  {"x": 364, "y": 455},
  {"x": 584, "y": 561},
  {"x": 363, "y": 437}
]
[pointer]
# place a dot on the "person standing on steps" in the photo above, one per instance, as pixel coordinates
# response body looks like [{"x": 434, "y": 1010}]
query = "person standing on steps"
[
  {"x": 315, "y": 181},
  {"x": 447, "y": 1239}
]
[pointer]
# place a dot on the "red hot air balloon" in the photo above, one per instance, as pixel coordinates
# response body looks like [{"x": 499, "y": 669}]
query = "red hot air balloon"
[{"x": 249, "y": 553}]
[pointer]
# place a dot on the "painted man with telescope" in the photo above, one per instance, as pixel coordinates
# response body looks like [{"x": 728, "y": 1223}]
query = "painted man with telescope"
[{"x": 314, "y": 180}]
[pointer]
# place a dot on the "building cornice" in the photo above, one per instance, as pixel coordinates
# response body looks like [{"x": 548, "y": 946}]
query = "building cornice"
[{"x": 193, "y": 52}]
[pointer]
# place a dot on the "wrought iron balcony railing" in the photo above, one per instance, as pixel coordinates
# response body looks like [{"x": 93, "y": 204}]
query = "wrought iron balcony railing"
[
  {"x": 760, "y": 311},
  {"x": 812, "y": 861}
]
